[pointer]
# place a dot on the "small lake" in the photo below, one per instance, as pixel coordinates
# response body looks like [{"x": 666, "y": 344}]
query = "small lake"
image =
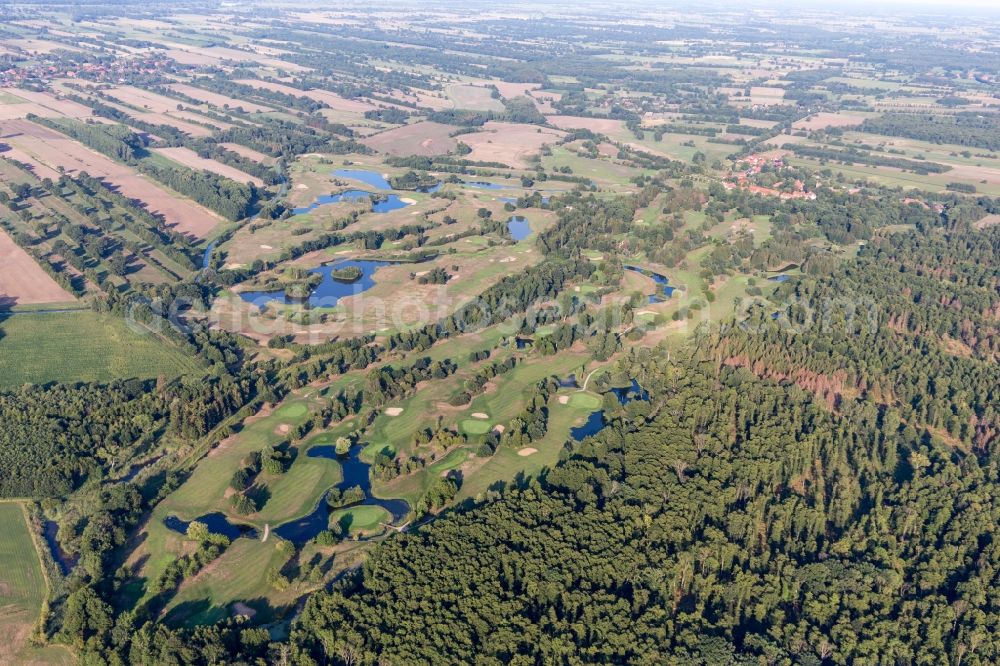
[
  {"x": 385, "y": 204},
  {"x": 217, "y": 523},
  {"x": 65, "y": 562},
  {"x": 518, "y": 227},
  {"x": 779, "y": 278},
  {"x": 329, "y": 291},
  {"x": 595, "y": 421},
  {"x": 372, "y": 178},
  {"x": 666, "y": 292},
  {"x": 355, "y": 473}
]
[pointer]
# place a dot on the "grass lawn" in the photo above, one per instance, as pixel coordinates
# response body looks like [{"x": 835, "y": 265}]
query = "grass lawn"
[
  {"x": 82, "y": 346},
  {"x": 22, "y": 590}
]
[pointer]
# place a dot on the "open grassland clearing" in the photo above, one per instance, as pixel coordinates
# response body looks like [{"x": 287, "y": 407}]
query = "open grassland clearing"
[
  {"x": 82, "y": 346},
  {"x": 22, "y": 281}
]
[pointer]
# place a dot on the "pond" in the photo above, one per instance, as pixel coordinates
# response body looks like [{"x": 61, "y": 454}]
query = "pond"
[
  {"x": 519, "y": 227},
  {"x": 377, "y": 180},
  {"x": 385, "y": 204},
  {"x": 217, "y": 523},
  {"x": 65, "y": 562},
  {"x": 659, "y": 279},
  {"x": 569, "y": 381},
  {"x": 484, "y": 185},
  {"x": 329, "y": 291},
  {"x": 372, "y": 178},
  {"x": 779, "y": 278},
  {"x": 355, "y": 473},
  {"x": 595, "y": 421}
]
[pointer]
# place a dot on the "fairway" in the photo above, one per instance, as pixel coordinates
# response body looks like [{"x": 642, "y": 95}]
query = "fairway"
[
  {"x": 82, "y": 346},
  {"x": 292, "y": 411},
  {"x": 239, "y": 574}
]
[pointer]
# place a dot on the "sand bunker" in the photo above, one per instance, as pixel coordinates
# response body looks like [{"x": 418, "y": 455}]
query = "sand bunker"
[
  {"x": 527, "y": 451},
  {"x": 284, "y": 428},
  {"x": 507, "y": 260},
  {"x": 480, "y": 415},
  {"x": 563, "y": 399},
  {"x": 393, "y": 411},
  {"x": 498, "y": 429},
  {"x": 408, "y": 201}
]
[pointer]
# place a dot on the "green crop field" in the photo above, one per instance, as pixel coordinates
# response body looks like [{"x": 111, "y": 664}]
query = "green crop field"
[
  {"x": 82, "y": 346},
  {"x": 22, "y": 590}
]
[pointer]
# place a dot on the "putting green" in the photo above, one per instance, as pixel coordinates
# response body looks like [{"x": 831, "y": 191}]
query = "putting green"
[
  {"x": 361, "y": 518},
  {"x": 292, "y": 411},
  {"x": 585, "y": 401},
  {"x": 476, "y": 426}
]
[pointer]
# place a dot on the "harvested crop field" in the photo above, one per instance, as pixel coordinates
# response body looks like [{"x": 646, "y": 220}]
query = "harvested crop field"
[
  {"x": 22, "y": 281},
  {"x": 827, "y": 119},
  {"x": 217, "y": 100},
  {"x": 51, "y": 149},
  {"x": 41, "y": 104},
  {"x": 335, "y": 101},
  {"x": 509, "y": 90},
  {"x": 189, "y": 158},
  {"x": 424, "y": 138},
  {"x": 143, "y": 99},
  {"x": 600, "y": 125},
  {"x": 766, "y": 95},
  {"x": 475, "y": 98},
  {"x": 249, "y": 153},
  {"x": 509, "y": 143}
]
